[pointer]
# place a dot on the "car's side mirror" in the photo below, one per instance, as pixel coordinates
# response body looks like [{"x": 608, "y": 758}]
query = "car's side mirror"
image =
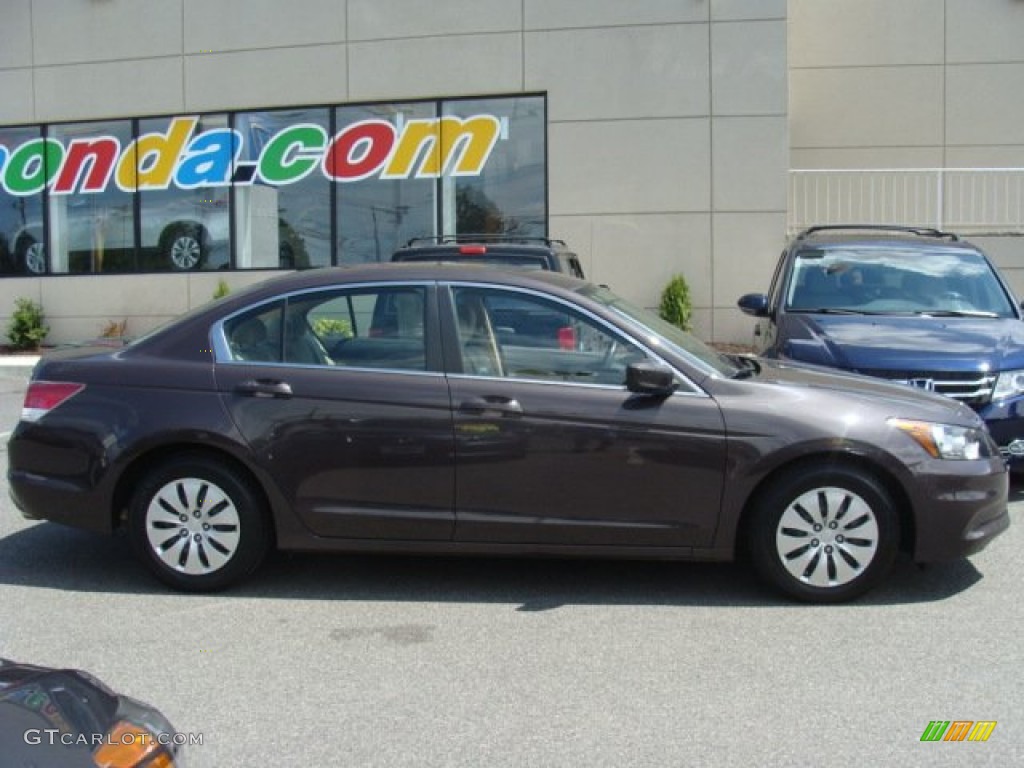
[
  {"x": 648, "y": 378},
  {"x": 755, "y": 304}
]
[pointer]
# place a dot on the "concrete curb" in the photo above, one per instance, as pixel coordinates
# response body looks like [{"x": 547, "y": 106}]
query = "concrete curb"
[{"x": 18, "y": 363}]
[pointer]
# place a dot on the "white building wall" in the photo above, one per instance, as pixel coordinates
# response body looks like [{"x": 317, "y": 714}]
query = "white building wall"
[
  {"x": 668, "y": 132},
  {"x": 910, "y": 84}
]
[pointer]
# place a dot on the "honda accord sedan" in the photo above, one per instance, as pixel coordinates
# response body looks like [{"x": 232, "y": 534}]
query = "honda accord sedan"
[{"x": 464, "y": 409}]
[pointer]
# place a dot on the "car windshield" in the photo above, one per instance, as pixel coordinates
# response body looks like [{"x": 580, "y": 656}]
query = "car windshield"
[
  {"x": 891, "y": 280},
  {"x": 658, "y": 333}
]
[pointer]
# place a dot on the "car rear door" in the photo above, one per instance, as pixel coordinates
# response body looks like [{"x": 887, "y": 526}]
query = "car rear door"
[
  {"x": 551, "y": 448},
  {"x": 341, "y": 397}
]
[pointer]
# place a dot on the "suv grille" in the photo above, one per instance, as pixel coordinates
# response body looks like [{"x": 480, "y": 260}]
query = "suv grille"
[{"x": 967, "y": 387}]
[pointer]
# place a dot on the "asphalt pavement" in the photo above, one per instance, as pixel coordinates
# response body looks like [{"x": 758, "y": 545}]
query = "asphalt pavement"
[{"x": 389, "y": 661}]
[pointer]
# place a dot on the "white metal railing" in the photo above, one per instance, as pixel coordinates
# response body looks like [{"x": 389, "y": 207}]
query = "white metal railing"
[{"x": 968, "y": 200}]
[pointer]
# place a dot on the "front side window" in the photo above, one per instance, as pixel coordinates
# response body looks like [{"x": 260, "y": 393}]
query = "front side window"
[{"x": 521, "y": 336}]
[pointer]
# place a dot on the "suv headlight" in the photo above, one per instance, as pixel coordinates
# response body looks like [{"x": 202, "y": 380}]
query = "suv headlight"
[
  {"x": 1009, "y": 384},
  {"x": 945, "y": 441}
]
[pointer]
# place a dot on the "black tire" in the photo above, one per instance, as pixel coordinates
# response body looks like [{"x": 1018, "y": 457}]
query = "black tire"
[
  {"x": 197, "y": 524},
  {"x": 824, "y": 534},
  {"x": 184, "y": 246}
]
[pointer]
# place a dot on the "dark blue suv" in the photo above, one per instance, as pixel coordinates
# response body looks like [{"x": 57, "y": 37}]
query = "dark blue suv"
[{"x": 918, "y": 306}]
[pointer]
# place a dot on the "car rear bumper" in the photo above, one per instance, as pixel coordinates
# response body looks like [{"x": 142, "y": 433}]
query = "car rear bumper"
[
  {"x": 57, "y": 500},
  {"x": 963, "y": 511}
]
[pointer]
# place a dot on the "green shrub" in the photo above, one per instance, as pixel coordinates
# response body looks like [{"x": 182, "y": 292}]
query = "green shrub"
[
  {"x": 332, "y": 327},
  {"x": 675, "y": 305},
  {"x": 223, "y": 289},
  {"x": 27, "y": 328}
]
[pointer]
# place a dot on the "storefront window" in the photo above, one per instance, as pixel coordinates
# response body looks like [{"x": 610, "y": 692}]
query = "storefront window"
[
  {"x": 92, "y": 219},
  {"x": 380, "y": 212},
  {"x": 508, "y": 195},
  {"x": 182, "y": 228},
  {"x": 275, "y": 189},
  {"x": 22, "y": 243},
  {"x": 283, "y": 217}
]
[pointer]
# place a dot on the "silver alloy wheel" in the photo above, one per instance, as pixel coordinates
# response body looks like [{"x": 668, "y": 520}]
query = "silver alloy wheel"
[
  {"x": 185, "y": 252},
  {"x": 827, "y": 537},
  {"x": 192, "y": 526},
  {"x": 35, "y": 258}
]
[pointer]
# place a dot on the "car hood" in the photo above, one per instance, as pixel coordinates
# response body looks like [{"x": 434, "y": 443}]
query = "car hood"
[{"x": 872, "y": 342}]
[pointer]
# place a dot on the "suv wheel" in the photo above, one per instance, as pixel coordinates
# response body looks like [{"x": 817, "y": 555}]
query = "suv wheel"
[{"x": 824, "y": 534}]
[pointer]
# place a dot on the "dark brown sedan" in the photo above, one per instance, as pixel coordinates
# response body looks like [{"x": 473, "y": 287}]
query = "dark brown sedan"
[{"x": 443, "y": 409}]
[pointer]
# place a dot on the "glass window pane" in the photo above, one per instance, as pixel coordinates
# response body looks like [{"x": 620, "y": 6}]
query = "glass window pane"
[
  {"x": 283, "y": 218},
  {"x": 377, "y": 215},
  {"x": 22, "y": 245},
  {"x": 183, "y": 229},
  {"x": 508, "y": 195},
  {"x": 519, "y": 336},
  {"x": 92, "y": 225}
]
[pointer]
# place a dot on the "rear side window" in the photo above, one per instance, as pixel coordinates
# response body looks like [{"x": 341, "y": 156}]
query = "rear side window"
[{"x": 377, "y": 328}]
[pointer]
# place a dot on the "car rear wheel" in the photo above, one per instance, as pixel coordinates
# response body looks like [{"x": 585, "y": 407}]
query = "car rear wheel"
[
  {"x": 197, "y": 524},
  {"x": 825, "y": 534}
]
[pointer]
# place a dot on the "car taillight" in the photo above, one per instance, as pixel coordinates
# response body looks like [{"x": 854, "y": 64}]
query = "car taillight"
[
  {"x": 473, "y": 250},
  {"x": 43, "y": 396},
  {"x": 567, "y": 338}
]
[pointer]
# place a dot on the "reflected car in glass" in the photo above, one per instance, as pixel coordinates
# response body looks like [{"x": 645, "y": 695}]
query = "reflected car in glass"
[
  {"x": 457, "y": 409},
  {"x": 919, "y": 307}
]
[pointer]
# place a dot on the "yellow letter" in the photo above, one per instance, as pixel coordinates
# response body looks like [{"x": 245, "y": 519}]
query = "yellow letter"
[{"x": 149, "y": 162}]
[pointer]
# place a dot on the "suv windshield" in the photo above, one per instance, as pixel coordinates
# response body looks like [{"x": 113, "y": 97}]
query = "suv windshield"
[
  {"x": 889, "y": 280},
  {"x": 658, "y": 332}
]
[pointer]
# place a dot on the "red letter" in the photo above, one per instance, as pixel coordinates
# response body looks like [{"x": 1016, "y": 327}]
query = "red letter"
[{"x": 360, "y": 150}]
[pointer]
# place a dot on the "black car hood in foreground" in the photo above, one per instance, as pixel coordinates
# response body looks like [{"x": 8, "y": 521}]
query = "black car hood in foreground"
[
  {"x": 62, "y": 718},
  {"x": 914, "y": 343}
]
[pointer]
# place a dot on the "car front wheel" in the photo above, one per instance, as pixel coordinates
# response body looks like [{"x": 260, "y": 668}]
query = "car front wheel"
[
  {"x": 197, "y": 524},
  {"x": 824, "y": 534}
]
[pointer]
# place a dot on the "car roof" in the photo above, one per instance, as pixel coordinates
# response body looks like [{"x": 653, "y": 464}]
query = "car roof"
[{"x": 875, "y": 235}]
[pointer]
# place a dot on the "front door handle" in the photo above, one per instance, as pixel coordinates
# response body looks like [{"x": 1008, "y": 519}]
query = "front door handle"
[
  {"x": 491, "y": 404},
  {"x": 264, "y": 388}
]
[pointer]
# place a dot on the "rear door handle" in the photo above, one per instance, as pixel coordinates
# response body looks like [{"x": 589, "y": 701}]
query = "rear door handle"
[
  {"x": 264, "y": 388},
  {"x": 491, "y": 404}
]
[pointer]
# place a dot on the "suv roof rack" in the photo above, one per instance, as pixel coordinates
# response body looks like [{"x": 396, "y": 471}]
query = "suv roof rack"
[
  {"x": 484, "y": 238},
  {"x": 919, "y": 231}
]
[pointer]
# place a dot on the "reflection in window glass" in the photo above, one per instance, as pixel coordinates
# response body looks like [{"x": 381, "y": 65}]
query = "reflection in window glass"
[
  {"x": 22, "y": 244},
  {"x": 283, "y": 219},
  {"x": 509, "y": 195},
  {"x": 377, "y": 215},
  {"x": 182, "y": 229},
  {"x": 92, "y": 231}
]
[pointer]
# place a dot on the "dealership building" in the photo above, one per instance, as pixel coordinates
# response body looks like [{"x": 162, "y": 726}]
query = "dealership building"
[{"x": 150, "y": 149}]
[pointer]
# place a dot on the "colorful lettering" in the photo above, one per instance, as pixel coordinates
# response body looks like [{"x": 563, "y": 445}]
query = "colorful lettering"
[
  {"x": 32, "y": 166},
  {"x": 292, "y": 154},
  {"x": 92, "y": 158},
  {"x": 148, "y": 162}
]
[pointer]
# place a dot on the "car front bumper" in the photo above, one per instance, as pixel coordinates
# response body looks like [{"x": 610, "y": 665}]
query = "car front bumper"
[{"x": 963, "y": 506}]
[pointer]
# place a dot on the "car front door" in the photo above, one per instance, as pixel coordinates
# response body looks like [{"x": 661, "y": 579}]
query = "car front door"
[
  {"x": 551, "y": 448},
  {"x": 341, "y": 397}
]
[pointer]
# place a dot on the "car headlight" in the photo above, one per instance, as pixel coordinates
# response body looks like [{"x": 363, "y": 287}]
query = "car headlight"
[
  {"x": 1009, "y": 384},
  {"x": 945, "y": 441}
]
